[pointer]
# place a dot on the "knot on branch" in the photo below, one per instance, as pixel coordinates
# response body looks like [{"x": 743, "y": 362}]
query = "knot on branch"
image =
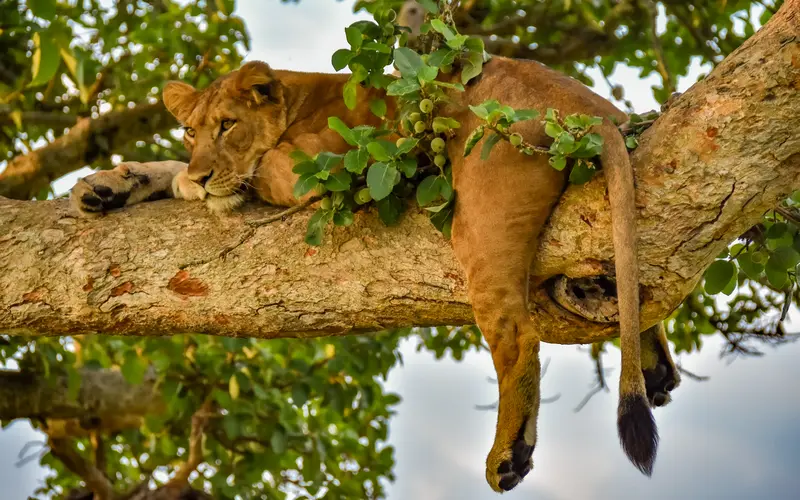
[{"x": 593, "y": 297}]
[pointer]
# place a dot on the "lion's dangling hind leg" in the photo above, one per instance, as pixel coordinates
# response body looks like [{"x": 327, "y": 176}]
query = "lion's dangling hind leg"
[{"x": 494, "y": 238}]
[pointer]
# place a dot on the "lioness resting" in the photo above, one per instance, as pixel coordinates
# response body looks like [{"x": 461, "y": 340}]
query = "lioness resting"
[{"x": 241, "y": 129}]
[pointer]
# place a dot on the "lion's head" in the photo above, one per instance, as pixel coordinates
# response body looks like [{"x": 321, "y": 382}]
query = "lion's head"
[{"x": 228, "y": 127}]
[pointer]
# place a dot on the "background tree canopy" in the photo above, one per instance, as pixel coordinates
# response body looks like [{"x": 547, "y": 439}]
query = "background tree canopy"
[{"x": 238, "y": 418}]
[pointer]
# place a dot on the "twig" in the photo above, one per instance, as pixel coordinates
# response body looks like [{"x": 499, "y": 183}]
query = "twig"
[
  {"x": 597, "y": 354},
  {"x": 666, "y": 76},
  {"x": 698, "y": 378},
  {"x": 286, "y": 213},
  {"x": 789, "y": 215}
]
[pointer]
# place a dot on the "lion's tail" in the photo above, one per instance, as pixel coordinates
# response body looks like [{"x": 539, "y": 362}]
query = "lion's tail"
[{"x": 635, "y": 423}]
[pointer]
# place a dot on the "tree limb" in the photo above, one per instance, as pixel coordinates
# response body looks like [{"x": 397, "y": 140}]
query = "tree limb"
[
  {"x": 195, "y": 456},
  {"x": 88, "y": 141},
  {"x": 95, "y": 480},
  {"x": 104, "y": 395},
  {"x": 722, "y": 155}
]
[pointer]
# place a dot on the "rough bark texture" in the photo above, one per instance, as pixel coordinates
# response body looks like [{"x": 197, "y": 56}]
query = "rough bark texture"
[
  {"x": 88, "y": 141},
  {"x": 727, "y": 151},
  {"x": 103, "y": 395}
]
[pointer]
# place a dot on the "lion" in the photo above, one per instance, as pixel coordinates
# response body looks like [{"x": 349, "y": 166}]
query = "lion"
[{"x": 241, "y": 130}]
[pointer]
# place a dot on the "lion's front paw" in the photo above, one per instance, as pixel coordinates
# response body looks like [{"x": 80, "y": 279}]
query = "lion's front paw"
[
  {"x": 105, "y": 190},
  {"x": 126, "y": 184},
  {"x": 187, "y": 189}
]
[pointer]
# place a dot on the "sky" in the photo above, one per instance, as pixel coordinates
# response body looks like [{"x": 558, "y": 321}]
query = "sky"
[{"x": 732, "y": 437}]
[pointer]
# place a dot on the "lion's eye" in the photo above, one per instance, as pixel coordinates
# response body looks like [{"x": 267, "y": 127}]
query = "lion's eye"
[
  {"x": 189, "y": 131},
  {"x": 227, "y": 124}
]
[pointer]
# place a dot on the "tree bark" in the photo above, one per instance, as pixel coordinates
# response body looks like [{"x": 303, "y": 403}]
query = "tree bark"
[
  {"x": 727, "y": 151},
  {"x": 86, "y": 142},
  {"x": 103, "y": 395}
]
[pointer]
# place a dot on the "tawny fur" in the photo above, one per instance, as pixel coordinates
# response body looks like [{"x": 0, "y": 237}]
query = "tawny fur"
[{"x": 502, "y": 205}]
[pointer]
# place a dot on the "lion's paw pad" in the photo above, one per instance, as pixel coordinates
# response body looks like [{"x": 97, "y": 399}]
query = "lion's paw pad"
[{"x": 511, "y": 472}]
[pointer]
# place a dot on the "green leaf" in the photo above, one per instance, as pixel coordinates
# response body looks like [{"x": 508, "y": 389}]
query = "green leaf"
[
  {"x": 488, "y": 144},
  {"x": 785, "y": 258},
  {"x": 429, "y": 5},
  {"x": 776, "y": 276},
  {"x": 377, "y": 151},
  {"x": 44, "y": 9},
  {"x": 356, "y": 160},
  {"x": 442, "y": 57},
  {"x": 565, "y": 144},
  {"x": 751, "y": 269},
  {"x": 407, "y": 61},
  {"x": 558, "y": 162},
  {"x": 338, "y": 181},
  {"x": 777, "y": 230},
  {"x": 299, "y": 394},
  {"x": 427, "y": 73},
  {"x": 389, "y": 209},
  {"x": 298, "y": 155},
  {"x": 343, "y": 218},
  {"x": 402, "y": 87},
  {"x": 306, "y": 167},
  {"x": 408, "y": 144},
  {"x": 133, "y": 368},
  {"x": 472, "y": 67},
  {"x": 377, "y": 47},
  {"x": 474, "y": 44},
  {"x": 631, "y": 142},
  {"x": 316, "y": 227},
  {"x": 337, "y": 125},
  {"x": 454, "y": 86},
  {"x": 439, "y": 26},
  {"x": 581, "y": 173},
  {"x": 408, "y": 166},
  {"x": 278, "y": 441},
  {"x": 378, "y": 107},
  {"x": 304, "y": 184},
  {"x": 443, "y": 219},
  {"x": 380, "y": 180},
  {"x": 353, "y": 35},
  {"x": 457, "y": 42},
  {"x": 718, "y": 275},
  {"x": 46, "y": 58},
  {"x": 350, "y": 93},
  {"x": 553, "y": 130},
  {"x": 429, "y": 189},
  {"x": 327, "y": 161},
  {"x": 443, "y": 124},
  {"x": 473, "y": 139},
  {"x": 522, "y": 115}
]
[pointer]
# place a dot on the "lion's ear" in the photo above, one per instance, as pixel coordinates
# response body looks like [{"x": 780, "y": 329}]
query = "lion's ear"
[
  {"x": 180, "y": 99},
  {"x": 256, "y": 83}
]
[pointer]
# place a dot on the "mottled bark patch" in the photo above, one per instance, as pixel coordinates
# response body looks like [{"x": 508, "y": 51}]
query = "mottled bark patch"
[
  {"x": 184, "y": 285},
  {"x": 122, "y": 289}
]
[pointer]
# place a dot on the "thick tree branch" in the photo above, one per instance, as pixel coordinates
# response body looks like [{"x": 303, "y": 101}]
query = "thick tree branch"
[
  {"x": 727, "y": 151},
  {"x": 195, "y": 456},
  {"x": 88, "y": 141},
  {"x": 105, "y": 400}
]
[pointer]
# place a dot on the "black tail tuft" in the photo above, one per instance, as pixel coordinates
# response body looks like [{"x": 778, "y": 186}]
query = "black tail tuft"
[{"x": 637, "y": 432}]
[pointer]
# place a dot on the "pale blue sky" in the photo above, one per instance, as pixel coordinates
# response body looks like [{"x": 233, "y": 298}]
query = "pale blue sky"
[{"x": 733, "y": 437}]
